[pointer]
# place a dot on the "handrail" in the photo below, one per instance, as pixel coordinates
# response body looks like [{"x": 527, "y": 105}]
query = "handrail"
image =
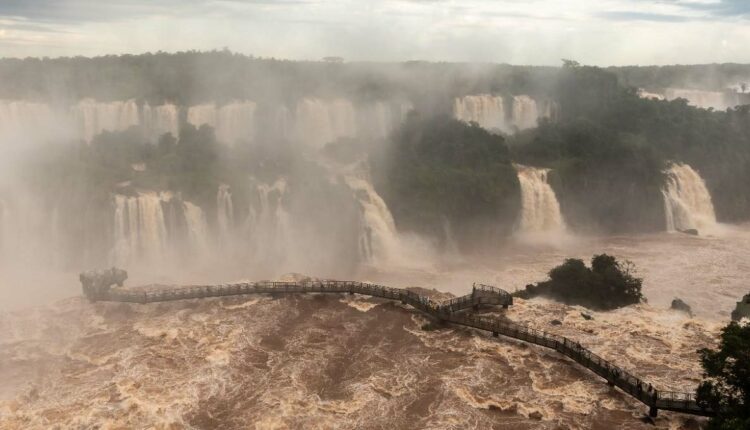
[{"x": 446, "y": 310}]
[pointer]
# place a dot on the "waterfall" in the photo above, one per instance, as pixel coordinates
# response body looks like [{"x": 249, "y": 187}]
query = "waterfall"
[
  {"x": 378, "y": 240},
  {"x": 486, "y": 110},
  {"x": 202, "y": 114},
  {"x": 489, "y": 112},
  {"x": 525, "y": 112},
  {"x": 140, "y": 228},
  {"x": 687, "y": 202},
  {"x": 540, "y": 210},
  {"x": 5, "y": 229},
  {"x": 268, "y": 226},
  {"x": 704, "y": 99},
  {"x": 231, "y": 122},
  {"x": 197, "y": 230},
  {"x": 29, "y": 120},
  {"x": 224, "y": 212},
  {"x": 94, "y": 117},
  {"x": 318, "y": 122},
  {"x": 649, "y": 95},
  {"x": 236, "y": 121},
  {"x": 159, "y": 120}
]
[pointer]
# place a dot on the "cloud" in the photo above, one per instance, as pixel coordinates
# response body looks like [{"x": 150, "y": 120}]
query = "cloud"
[
  {"x": 515, "y": 31},
  {"x": 642, "y": 16}
]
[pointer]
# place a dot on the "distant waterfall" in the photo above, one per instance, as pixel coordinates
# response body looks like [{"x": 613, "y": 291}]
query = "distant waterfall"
[
  {"x": 378, "y": 239},
  {"x": 318, "y": 122},
  {"x": 28, "y": 119},
  {"x": 197, "y": 228},
  {"x": 525, "y": 112},
  {"x": 490, "y": 112},
  {"x": 486, "y": 110},
  {"x": 224, "y": 211},
  {"x": 5, "y": 228},
  {"x": 203, "y": 114},
  {"x": 140, "y": 227},
  {"x": 94, "y": 117},
  {"x": 269, "y": 225},
  {"x": 159, "y": 120},
  {"x": 687, "y": 202},
  {"x": 704, "y": 99},
  {"x": 540, "y": 210}
]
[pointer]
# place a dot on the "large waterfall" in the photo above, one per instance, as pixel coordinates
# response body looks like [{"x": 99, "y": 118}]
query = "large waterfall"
[
  {"x": 94, "y": 117},
  {"x": 224, "y": 212},
  {"x": 197, "y": 228},
  {"x": 378, "y": 239},
  {"x": 490, "y": 111},
  {"x": 268, "y": 225},
  {"x": 525, "y": 112},
  {"x": 311, "y": 121},
  {"x": 687, "y": 202},
  {"x": 233, "y": 122},
  {"x": 159, "y": 120},
  {"x": 486, "y": 110},
  {"x": 153, "y": 227},
  {"x": 540, "y": 210},
  {"x": 318, "y": 122},
  {"x": 140, "y": 227}
]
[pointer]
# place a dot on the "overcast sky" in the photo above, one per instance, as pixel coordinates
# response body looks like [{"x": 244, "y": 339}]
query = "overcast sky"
[{"x": 600, "y": 32}]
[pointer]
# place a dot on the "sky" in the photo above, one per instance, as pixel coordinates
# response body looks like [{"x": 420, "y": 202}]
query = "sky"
[{"x": 535, "y": 32}]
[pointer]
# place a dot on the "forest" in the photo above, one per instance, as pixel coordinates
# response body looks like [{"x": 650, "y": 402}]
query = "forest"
[{"x": 607, "y": 148}]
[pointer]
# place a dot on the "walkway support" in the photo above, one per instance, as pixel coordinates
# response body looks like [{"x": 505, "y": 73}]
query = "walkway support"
[{"x": 97, "y": 286}]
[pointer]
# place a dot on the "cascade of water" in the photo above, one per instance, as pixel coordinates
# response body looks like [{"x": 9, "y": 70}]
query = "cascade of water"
[
  {"x": 318, "y": 122},
  {"x": 525, "y": 112},
  {"x": 94, "y": 117},
  {"x": 27, "y": 119},
  {"x": 489, "y": 112},
  {"x": 486, "y": 110},
  {"x": 203, "y": 114},
  {"x": 197, "y": 229},
  {"x": 5, "y": 229},
  {"x": 140, "y": 227},
  {"x": 540, "y": 210},
  {"x": 378, "y": 239},
  {"x": 159, "y": 120},
  {"x": 236, "y": 121},
  {"x": 224, "y": 212},
  {"x": 270, "y": 226},
  {"x": 704, "y": 99},
  {"x": 687, "y": 202}
]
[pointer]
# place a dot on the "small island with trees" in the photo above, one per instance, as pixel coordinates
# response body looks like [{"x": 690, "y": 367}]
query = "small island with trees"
[{"x": 608, "y": 284}]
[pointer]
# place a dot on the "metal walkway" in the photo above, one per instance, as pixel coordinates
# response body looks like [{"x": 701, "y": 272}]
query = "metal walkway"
[{"x": 98, "y": 289}]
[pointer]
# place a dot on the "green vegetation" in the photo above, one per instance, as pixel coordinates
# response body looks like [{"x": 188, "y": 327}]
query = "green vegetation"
[
  {"x": 609, "y": 147},
  {"x": 441, "y": 169},
  {"x": 726, "y": 388},
  {"x": 607, "y": 285}
]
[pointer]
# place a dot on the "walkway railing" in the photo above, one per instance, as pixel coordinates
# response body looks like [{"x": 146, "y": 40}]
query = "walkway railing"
[{"x": 98, "y": 289}]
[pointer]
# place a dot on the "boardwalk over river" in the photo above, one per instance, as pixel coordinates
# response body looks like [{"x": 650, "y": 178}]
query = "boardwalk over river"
[{"x": 97, "y": 287}]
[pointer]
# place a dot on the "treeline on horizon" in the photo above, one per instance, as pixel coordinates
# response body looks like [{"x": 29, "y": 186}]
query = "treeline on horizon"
[
  {"x": 194, "y": 77},
  {"x": 607, "y": 148}
]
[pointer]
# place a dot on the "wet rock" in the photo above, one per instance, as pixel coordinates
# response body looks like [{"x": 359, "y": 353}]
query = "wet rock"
[
  {"x": 679, "y": 305},
  {"x": 556, "y": 322},
  {"x": 690, "y": 231},
  {"x": 742, "y": 310},
  {"x": 586, "y": 316}
]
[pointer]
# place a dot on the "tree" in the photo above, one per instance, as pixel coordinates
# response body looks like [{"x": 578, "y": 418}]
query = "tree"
[
  {"x": 726, "y": 388},
  {"x": 607, "y": 285}
]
